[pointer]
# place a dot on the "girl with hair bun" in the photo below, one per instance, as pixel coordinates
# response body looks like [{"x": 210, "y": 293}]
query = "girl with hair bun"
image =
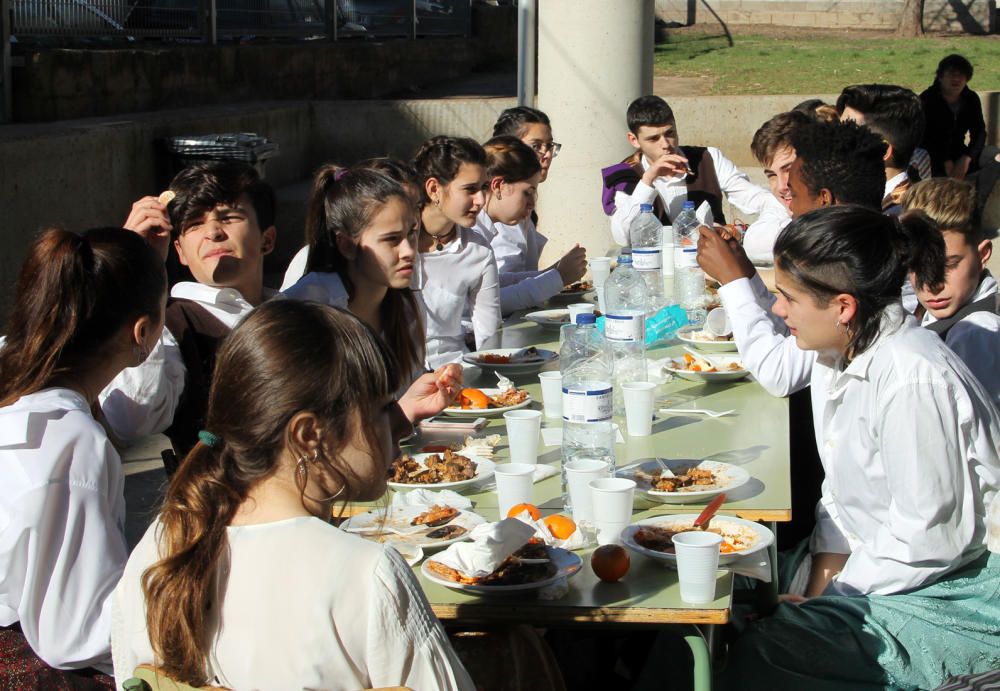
[
  {"x": 242, "y": 581},
  {"x": 457, "y": 273},
  {"x": 513, "y": 174},
  {"x": 897, "y": 576},
  {"x": 87, "y": 306}
]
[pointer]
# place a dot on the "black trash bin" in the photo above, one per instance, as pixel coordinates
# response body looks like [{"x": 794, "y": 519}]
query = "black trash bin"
[{"x": 184, "y": 151}]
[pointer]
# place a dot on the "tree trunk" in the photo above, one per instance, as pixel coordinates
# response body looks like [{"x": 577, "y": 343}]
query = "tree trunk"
[{"x": 911, "y": 22}]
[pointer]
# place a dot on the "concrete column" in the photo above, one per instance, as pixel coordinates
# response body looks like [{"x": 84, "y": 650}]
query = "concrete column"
[{"x": 594, "y": 58}]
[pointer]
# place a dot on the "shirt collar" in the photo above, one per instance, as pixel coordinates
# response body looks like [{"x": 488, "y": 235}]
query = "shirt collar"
[
  {"x": 453, "y": 247},
  {"x": 224, "y": 298},
  {"x": 894, "y": 318},
  {"x": 14, "y": 428},
  {"x": 987, "y": 287},
  {"x": 894, "y": 182}
]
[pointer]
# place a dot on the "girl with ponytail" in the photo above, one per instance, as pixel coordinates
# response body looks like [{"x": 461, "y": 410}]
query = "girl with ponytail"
[
  {"x": 86, "y": 307},
  {"x": 242, "y": 581},
  {"x": 897, "y": 577}
]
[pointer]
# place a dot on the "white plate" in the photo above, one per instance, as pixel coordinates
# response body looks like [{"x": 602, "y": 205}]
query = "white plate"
[
  {"x": 544, "y": 357},
  {"x": 486, "y": 412},
  {"x": 764, "y": 537},
  {"x": 398, "y": 531},
  {"x": 549, "y": 319},
  {"x": 728, "y": 477},
  {"x": 731, "y": 375},
  {"x": 567, "y": 564},
  {"x": 484, "y": 471},
  {"x": 688, "y": 335}
]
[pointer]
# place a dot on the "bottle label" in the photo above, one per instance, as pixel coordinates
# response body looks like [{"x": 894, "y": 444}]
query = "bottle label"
[
  {"x": 647, "y": 259},
  {"x": 587, "y": 405},
  {"x": 685, "y": 258},
  {"x": 625, "y": 328}
]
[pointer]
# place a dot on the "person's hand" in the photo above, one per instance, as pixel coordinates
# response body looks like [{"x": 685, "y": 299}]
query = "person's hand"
[
  {"x": 792, "y": 599},
  {"x": 572, "y": 266},
  {"x": 149, "y": 218},
  {"x": 667, "y": 165},
  {"x": 431, "y": 393},
  {"x": 959, "y": 168},
  {"x": 722, "y": 257}
]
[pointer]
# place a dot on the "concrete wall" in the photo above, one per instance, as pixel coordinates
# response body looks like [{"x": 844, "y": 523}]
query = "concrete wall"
[{"x": 971, "y": 16}]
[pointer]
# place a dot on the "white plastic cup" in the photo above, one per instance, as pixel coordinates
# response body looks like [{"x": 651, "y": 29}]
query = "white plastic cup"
[
  {"x": 551, "y": 392},
  {"x": 600, "y": 269},
  {"x": 579, "y": 473},
  {"x": 717, "y": 323},
  {"x": 514, "y": 481},
  {"x": 578, "y": 308},
  {"x": 638, "y": 397},
  {"x": 612, "y": 505},
  {"x": 697, "y": 561},
  {"x": 523, "y": 427}
]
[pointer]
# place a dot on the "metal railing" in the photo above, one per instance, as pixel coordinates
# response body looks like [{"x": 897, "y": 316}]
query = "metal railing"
[{"x": 67, "y": 21}]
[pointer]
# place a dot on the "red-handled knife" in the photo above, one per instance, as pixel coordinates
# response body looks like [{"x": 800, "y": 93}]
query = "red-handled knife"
[{"x": 701, "y": 523}]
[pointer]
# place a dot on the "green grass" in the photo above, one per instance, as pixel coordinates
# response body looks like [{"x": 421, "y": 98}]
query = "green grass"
[{"x": 758, "y": 64}]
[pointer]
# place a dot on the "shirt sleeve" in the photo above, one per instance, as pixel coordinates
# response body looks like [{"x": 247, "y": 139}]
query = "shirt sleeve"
[
  {"x": 141, "y": 400},
  {"x": 534, "y": 288},
  {"x": 976, "y": 341},
  {"x": 407, "y": 644},
  {"x": 758, "y": 241},
  {"x": 485, "y": 300},
  {"x": 74, "y": 548},
  {"x": 627, "y": 208},
  {"x": 768, "y": 352},
  {"x": 734, "y": 183}
]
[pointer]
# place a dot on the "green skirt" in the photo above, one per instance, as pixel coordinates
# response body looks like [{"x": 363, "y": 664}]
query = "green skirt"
[{"x": 913, "y": 640}]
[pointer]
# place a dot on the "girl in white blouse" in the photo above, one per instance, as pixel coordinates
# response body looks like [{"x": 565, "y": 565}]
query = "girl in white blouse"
[
  {"x": 900, "y": 581},
  {"x": 242, "y": 581},
  {"x": 456, "y": 271},
  {"x": 513, "y": 174},
  {"x": 87, "y": 306}
]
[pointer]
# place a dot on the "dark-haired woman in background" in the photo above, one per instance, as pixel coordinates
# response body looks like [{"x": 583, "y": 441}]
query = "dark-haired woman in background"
[
  {"x": 87, "y": 306},
  {"x": 242, "y": 581},
  {"x": 908, "y": 439},
  {"x": 457, "y": 272}
]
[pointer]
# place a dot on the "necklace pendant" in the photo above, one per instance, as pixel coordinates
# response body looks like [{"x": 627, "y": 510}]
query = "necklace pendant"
[{"x": 439, "y": 246}]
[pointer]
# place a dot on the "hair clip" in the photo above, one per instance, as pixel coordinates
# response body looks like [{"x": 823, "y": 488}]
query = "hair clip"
[
  {"x": 341, "y": 172},
  {"x": 212, "y": 441}
]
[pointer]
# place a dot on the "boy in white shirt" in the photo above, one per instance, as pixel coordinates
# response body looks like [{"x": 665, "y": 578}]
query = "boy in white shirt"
[{"x": 665, "y": 174}]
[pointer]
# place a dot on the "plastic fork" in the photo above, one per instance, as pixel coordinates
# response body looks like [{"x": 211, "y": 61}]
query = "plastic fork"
[{"x": 699, "y": 411}]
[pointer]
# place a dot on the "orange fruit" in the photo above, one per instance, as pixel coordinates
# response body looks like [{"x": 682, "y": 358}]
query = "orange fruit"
[
  {"x": 530, "y": 508},
  {"x": 560, "y": 526},
  {"x": 609, "y": 562},
  {"x": 474, "y": 398}
]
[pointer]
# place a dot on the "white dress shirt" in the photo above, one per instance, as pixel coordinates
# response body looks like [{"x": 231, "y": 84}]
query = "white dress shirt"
[
  {"x": 296, "y": 269},
  {"x": 758, "y": 240},
  {"x": 976, "y": 339},
  {"x": 319, "y": 286},
  {"x": 517, "y": 248},
  {"x": 463, "y": 273},
  {"x": 302, "y": 605},
  {"x": 141, "y": 400},
  {"x": 908, "y": 440},
  {"x": 62, "y": 522},
  {"x": 892, "y": 183},
  {"x": 734, "y": 183}
]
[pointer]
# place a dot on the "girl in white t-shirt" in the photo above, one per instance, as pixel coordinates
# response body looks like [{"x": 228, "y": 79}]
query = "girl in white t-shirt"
[
  {"x": 456, "y": 271},
  {"x": 87, "y": 306},
  {"x": 242, "y": 581}
]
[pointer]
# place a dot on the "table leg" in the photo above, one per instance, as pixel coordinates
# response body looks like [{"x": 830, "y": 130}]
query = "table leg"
[
  {"x": 700, "y": 645},
  {"x": 772, "y": 552}
]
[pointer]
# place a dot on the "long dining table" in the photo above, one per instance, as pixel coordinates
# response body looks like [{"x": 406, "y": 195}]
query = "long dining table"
[{"x": 755, "y": 437}]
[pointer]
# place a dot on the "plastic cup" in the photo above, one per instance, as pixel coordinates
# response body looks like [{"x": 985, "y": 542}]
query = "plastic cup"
[
  {"x": 514, "y": 481},
  {"x": 612, "y": 505},
  {"x": 697, "y": 561},
  {"x": 579, "y": 473},
  {"x": 717, "y": 323},
  {"x": 638, "y": 397},
  {"x": 600, "y": 269},
  {"x": 580, "y": 308},
  {"x": 523, "y": 427},
  {"x": 551, "y": 392}
]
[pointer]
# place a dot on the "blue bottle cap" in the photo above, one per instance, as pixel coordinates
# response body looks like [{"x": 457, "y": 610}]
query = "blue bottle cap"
[
  {"x": 586, "y": 318},
  {"x": 643, "y": 208},
  {"x": 688, "y": 205},
  {"x": 624, "y": 258}
]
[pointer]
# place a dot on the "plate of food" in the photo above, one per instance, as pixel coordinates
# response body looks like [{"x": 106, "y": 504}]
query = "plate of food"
[
  {"x": 511, "y": 360},
  {"x": 549, "y": 319},
  {"x": 426, "y": 527},
  {"x": 445, "y": 470},
  {"x": 683, "y": 481},
  {"x": 721, "y": 368},
  {"x": 532, "y": 567},
  {"x": 479, "y": 402},
  {"x": 653, "y": 537},
  {"x": 573, "y": 291},
  {"x": 701, "y": 339}
]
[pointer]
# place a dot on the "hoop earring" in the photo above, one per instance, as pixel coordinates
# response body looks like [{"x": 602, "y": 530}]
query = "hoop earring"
[
  {"x": 140, "y": 353},
  {"x": 843, "y": 328},
  {"x": 302, "y": 470}
]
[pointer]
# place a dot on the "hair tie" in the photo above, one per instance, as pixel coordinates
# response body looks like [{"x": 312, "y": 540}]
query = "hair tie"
[
  {"x": 212, "y": 441},
  {"x": 341, "y": 172}
]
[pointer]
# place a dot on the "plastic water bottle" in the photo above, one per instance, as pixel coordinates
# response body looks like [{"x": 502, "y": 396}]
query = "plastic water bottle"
[
  {"x": 627, "y": 304},
  {"x": 645, "y": 235},
  {"x": 689, "y": 279},
  {"x": 668, "y": 265},
  {"x": 587, "y": 367}
]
